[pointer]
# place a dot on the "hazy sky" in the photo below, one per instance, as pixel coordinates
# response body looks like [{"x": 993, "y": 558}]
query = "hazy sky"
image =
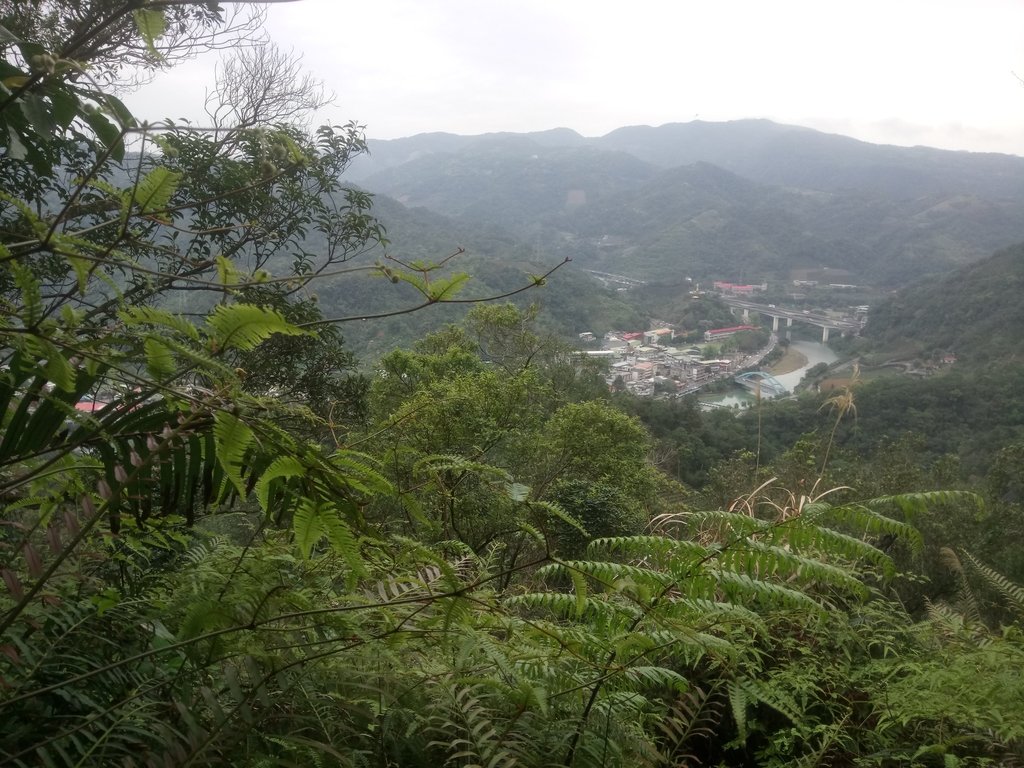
[{"x": 938, "y": 72}]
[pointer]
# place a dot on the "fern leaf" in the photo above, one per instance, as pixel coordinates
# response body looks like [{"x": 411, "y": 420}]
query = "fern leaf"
[
  {"x": 342, "y": 539},
  {"x": 866, "y": 518},
  {"x": 244, "y": 326},
  {"x": 232, "y": 438},
  {"x": 281, "y": 467},
  {"x": 773, "y": 697},
  {"x": 658, "y": 677},
  {"x": 306, "y": 526},
  {"x": 159, "y": 358},
  {"x": 1013, "y": 593},
  {"x": 579, "y": 584},
  {"x": 738, "y": 701},
  {"x": 31, "y": 292},
  {"x": 160, "y": 318},
  {"x": 154, "y": 192}
]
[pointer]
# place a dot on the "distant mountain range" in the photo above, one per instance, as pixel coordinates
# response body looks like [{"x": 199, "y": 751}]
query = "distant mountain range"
[{"x": 714, "y": 200}]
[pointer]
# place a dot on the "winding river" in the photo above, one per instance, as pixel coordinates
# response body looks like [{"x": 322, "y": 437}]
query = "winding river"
[{"x": 814, "y": 351}]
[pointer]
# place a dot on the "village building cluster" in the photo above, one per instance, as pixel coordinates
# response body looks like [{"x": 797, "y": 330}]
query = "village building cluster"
[{"x": 647, "y": 362}]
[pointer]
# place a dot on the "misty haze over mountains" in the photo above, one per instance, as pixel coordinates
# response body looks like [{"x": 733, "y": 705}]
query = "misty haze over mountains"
[{"x": 714, "y": 199}]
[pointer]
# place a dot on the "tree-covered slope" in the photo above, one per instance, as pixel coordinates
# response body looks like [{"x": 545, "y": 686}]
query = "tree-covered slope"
[
  {"x": 704, "y": 221},
  {"x": 509, "y": 180},
  {"x": 570, "y": 301},
  {"x": 976, "y": 313}
]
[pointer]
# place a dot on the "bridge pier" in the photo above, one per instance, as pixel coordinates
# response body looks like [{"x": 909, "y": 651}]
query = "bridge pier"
[
  {"x": 824, "y": 335},
  {"x": 789, "y": 322},
  {"x": 746, "y": 315},
  {"x": 775, "y": 323}
]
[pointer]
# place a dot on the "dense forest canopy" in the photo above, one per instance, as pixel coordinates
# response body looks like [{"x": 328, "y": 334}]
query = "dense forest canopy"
[{"x": 221, "y": 544}]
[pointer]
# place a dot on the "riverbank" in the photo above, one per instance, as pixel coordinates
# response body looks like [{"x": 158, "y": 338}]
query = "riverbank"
[{"x": 793, "y": 360}]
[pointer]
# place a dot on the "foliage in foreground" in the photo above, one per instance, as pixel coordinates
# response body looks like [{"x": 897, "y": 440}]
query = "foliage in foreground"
[{"x": 748, "y": 637}]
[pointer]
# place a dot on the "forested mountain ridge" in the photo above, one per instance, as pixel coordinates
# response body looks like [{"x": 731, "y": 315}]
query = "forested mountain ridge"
[
  {"x": 762, "y": 150},
  {"x": 788, "y": 155},
  {"x": 806, "y": 199}
]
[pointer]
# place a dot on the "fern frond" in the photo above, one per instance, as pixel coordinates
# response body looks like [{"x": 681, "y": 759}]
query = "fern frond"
[
  {"x": 772, "y": 696},
  {"x": 160, "y": 318},
  {"x": 741, "y": 588},
  {"x": 763, "y": 561},
  {"x": 826, "y": 542},
  {"x": 657, "y": 677},
  {"x": 658, "y": 549},
  {"x": 618, "y": 576},
  {"x": 1012, "y": 592},
  {"x": 865, "y": 517},
  {"x": 244, "y": 326},
  {"x": 571, "y": 606},
  {"x": 694, "y": 717},
  {"x": 232, "y": 438}
]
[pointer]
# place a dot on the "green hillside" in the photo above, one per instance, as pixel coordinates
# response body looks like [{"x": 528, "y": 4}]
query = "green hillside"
[
  {"x": 570, "y": 302},
  {"x": 976, "y": 313}
]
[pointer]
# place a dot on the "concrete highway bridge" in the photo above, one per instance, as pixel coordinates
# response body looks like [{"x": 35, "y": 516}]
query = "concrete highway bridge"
[
  {"x": 610, "y": 277},
  {"x": 777, "y": 314}
]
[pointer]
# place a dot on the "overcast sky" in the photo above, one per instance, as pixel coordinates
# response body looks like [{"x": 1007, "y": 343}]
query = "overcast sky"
[{"x": 943, "y": 73}]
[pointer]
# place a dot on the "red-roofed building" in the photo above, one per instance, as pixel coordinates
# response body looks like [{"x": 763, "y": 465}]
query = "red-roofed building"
[
  {"x": 90, "y": 406},
  {"x": 717, "y": 334},
  {"x": 738, "y": 290}
]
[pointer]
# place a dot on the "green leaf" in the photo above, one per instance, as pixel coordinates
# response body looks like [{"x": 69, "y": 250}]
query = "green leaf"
[
  {"x": 342, "y": 539},
  {"x": 59, "y": 371},
  {"x": 232, "y": 438},
  {"x": 37, "y": 114},
  {"x": 306, "y": 526},
  {"x": 65, "y": 106},
  {"x": 159, "y": 359},
  {"x": 82, "y": 269},
  {"x": 282, "y": 466},
  {"x": 518, "y": 491},
  {"x": 31, "y": 292},
  {"x": 154, "y": 192},
  {"x": 446, "y": 288},
  {"x": 151, "y": 25},
  {"x": 117, "y": 108},
  {"x": 227, "y": 272},
  {"x": 16, "y": 150},
  {"x": 108, "y": 134},
  {"x": 244, "y": 326},
  {"x": 161, "y": 318},
  {"x": 579, "y": 584},
  {"x": 6, "y": 36}
]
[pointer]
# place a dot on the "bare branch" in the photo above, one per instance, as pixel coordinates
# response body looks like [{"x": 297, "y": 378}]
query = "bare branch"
[{"x": 263, "y": 85}]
